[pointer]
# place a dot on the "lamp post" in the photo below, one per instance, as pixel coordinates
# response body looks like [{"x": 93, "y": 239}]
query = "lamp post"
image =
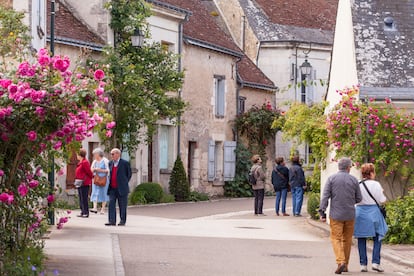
[
  {"x": 305, "y": 70},
  {"x": 51, "y": 174}
]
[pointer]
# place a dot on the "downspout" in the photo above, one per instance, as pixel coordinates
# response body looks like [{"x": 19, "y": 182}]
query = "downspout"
[
  {"x": 239, "y": 87},
  {"x": 296, "y": 72},
  {"x": 258, "y": 53},
  {"x": 179, "y": 68},
  {"x": 243, "y": 33}
]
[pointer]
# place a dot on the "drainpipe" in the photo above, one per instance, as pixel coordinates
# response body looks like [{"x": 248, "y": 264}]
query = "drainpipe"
[
  {"x": 243, "y": 33},
  {"x": 239, "y": 87},
  {"x": 258, "y": 53},
  {"x": 179, "y": 68},
  {"x": 296, "y": 72}
]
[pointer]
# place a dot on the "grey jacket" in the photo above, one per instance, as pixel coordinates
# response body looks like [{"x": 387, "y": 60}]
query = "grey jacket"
[
  {"x": 260, "y": 176},
  {"x": 343, "y": 191}
]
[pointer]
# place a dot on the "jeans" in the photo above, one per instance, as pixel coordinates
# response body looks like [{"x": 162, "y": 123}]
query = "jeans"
[
  {"x": 376, "y": 252},
  {"x": 341, "y": 238},
  {"x": 122, "y": 204},
  {"x": 258, "y": 201},
  {"x": 297, "y": 200},
  {"x": 282, "y": 194},
  {"x": 83, "y": 200}
]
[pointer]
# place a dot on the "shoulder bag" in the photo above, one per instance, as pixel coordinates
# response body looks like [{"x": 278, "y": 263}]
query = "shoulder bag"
[
  {"x": 380, "y": 207},
  {"x": 100, "y": 180}
]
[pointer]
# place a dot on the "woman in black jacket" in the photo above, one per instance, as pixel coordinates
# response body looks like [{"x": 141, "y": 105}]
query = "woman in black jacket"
[{"x": 280, "y": 181}]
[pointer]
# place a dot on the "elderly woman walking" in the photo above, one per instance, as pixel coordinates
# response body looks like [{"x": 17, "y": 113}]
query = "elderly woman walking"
[
  {"x": 369, "y": 221},
  {"x": 100, "y": 169}
]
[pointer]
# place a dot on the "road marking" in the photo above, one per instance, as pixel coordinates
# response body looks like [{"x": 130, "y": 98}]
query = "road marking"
[{"x": 116, "y": 250}]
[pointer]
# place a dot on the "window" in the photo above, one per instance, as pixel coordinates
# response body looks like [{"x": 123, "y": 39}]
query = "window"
[
  {"x": 166, "y": 147},
  {"x": 242, "y": 105},
  {"x": 306, "y": 94},
  {"x": 219, "y": 95},
  {"x": 308, "y": 155},
  {"x": 167, "y": 46}
]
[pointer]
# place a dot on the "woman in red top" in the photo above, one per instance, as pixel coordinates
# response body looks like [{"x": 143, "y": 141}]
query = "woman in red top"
[{"x": 83, "y": 172}]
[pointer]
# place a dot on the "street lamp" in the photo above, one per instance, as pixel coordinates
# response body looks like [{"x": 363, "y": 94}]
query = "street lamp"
[
  {"x": 137, "y": 39},
  {"x": 306, "y": 68}
]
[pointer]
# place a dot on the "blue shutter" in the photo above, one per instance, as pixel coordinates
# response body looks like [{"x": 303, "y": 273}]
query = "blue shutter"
[
  {"x": 222, "y": 97},
  {"x": 211, "y": 168},
  {"x": 229, "y": 160}
]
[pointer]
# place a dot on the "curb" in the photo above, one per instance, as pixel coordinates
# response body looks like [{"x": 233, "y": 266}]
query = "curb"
[{"x": 384, "y": 252}]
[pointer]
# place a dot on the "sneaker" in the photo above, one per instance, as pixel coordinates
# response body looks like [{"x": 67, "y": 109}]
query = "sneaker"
[
  {"x": 364, "y": 268},
  {"x": 377, "y": 267}
]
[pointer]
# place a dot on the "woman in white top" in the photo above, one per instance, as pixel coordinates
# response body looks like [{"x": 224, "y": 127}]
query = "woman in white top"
[
  {"x": 99, "y": 193},
  {"x": 369, "y": 221}
]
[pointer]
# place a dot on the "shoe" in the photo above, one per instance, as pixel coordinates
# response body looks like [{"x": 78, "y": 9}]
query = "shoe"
[
  {"x": 102, "y": 213},
  {"x": 298, "y": 215},
  {"x": 80, "y": 215},
  {"x": 286, "y": 215},
  {"x": 340, "y": 269},
  {"x": 85, "y": 216},
  {"x": 263, "y": 215},
  {"x": 277, "y": 214},
  {"x": 121, "y": 224},
  {"x": 377, "y": 268},
  {"x": 110, "y": 224},
  {"x": 346, "y": 269},
  {"x": 364, "y": 268},
  {"x": 93, "y": 211}
]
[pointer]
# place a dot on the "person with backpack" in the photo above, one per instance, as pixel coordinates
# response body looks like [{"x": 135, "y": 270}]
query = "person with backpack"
[
  {"x": 257, "y": 180},
  {"x": 280, "y": 181}
]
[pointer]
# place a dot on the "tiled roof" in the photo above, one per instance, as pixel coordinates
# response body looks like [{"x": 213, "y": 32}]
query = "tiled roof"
[
  {"x": 205, "y": 29},
  {"x": 70, "y": 28},
  {"x": 293, "y": 20},
  {"x": 250, "y": 75},
  {"x": 384, "y": 56},
  {"x": 314, "y": 14},
  {"x": 202, "y": 27}
]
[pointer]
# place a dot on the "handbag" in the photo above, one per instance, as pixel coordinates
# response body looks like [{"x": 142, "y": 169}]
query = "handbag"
[
  {"x": 78, "y": 183},
  {"x": 99, "y": 180},
  {"x": 380, "y": 207}
]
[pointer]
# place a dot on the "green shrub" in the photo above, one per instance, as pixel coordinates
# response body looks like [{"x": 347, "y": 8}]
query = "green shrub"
[
  {"x": 196, "y": 196},
  {"x": 313, "y": 205},
  {"x": 167, "y": 198},
  {"x": 179, "y": 186},
  {"x": 152, "y": 192},
  {"x": 313, "y": 181},
  {"x": 240, "y": 186},
  {"x": 400, "y": 220},
  {"x": 137, "y": 198}
]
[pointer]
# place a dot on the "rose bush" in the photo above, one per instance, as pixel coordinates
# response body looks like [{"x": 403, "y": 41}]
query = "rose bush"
[
  {"x": 44, "y": 109},
  {"x": 378, "y": 132}
]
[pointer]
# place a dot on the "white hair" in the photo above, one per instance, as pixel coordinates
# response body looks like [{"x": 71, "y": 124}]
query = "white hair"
[{"x": 98, "y": 151}]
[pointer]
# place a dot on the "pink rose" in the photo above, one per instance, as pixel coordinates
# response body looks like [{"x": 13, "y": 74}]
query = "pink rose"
[
  {"x": 33, "y": 183},
  {"x": 99, "y": 74},
  {"x": 50, "y": 198},
  {"x": 22, "y": 190},
  {"x": 57, "y": 145},
  {"x": 5, "y": 83},
  {"x": 110, "y": 125},
  {"x": 1, "y": 173},
  {"x": 43, "y": 60},
  {"x": 6, "y": 198},
  {"x": 99, "y": 91},
  {"x": 31, "y": 135},
  {"x": 108, "y": 133}
]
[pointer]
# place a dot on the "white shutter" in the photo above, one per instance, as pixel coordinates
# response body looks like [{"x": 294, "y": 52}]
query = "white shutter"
[
  {"x": 211, "y": 168},
  {"x": 229, "y": 160}
]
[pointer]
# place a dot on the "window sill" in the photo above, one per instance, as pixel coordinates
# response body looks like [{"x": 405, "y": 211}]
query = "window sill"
[{"x": 165, "y": 171}]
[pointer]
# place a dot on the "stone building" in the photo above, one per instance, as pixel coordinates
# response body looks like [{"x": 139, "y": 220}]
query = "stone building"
[
  {"x": 373, "y": 47},
  {"x": 279, "y": 36}
]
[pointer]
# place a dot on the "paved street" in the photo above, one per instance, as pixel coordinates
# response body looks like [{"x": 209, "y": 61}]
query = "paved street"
[{"x": 206, "y": 238}]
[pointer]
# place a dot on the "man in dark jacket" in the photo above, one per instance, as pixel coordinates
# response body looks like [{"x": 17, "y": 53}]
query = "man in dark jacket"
[
  {"x": 280, "y": 181},
  {"x": 297, "y": 184},
  {"x": 119, "y": 176}
]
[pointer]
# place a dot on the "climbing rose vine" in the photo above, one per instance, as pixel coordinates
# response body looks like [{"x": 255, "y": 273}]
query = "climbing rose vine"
[
  {"x": 44, "y": 108},
  {"x": 377, "y": 132}
]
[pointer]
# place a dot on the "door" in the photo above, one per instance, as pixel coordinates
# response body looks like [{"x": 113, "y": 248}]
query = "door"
[
  {"x": 190, "y": 167},
  {"x": 70, "y": 170},
  {"x": 150, "y": 159}
]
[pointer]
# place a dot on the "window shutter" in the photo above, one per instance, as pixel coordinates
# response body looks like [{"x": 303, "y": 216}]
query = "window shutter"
[
  {"x": 229, "y": 160},
  {"x": 211, "y": 169},
  {"x": 220, "y": 97}
]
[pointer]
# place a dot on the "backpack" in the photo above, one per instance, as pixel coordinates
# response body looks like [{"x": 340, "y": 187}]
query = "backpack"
[{"x": 252, "y": 177}]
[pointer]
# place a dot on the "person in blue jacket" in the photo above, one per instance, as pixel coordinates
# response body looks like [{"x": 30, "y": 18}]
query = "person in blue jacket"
[
  {"x": 280, "y": 181},
  {"x": 298, "y": 185}
]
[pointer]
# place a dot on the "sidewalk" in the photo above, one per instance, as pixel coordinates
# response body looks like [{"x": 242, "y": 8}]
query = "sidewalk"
[{"x": 399, "y": 254}]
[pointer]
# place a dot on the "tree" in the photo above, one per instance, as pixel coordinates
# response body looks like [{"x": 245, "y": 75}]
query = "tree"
[
  {"x": 143, "y": 80},
  {"x": 179, "y": 186}
]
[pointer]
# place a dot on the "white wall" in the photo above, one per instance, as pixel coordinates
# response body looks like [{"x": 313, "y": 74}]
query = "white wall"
[{"x": 343, "y": 70}]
